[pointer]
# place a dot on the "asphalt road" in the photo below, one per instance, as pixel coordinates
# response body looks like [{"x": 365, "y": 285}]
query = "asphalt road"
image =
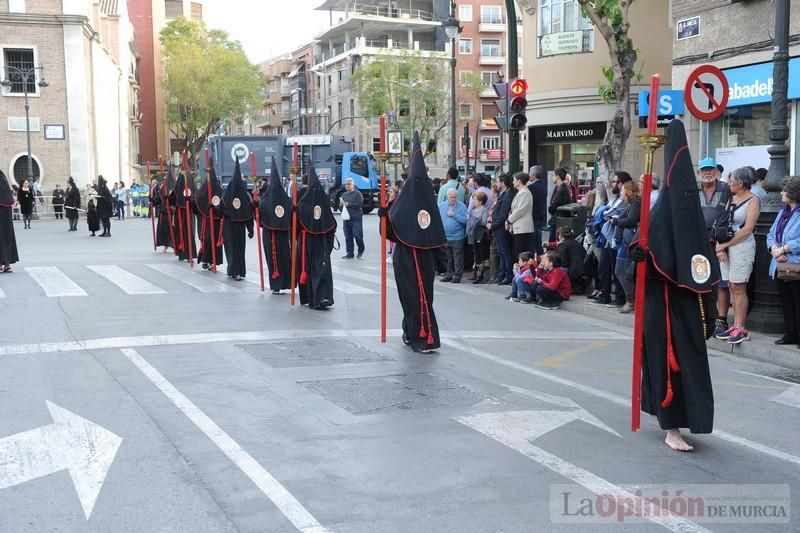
[{"x": 138, "y": 394}]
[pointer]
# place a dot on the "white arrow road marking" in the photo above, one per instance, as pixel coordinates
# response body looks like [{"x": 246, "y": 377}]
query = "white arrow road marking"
[
  {"x": 516, "y": 429},
  {"x": 128, "y": 282},
  {"x": 790, "y": 397},
  {"x": 579, "y": 412},
  {"x": 54, "y": 282},
  {"x": 271, "y": 487},
  {"x": 619, "y": 400},
  {"x": 69, "y": 443}
]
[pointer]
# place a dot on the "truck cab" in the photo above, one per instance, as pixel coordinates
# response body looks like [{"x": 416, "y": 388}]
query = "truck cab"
[{"x": 363, "y": 169}]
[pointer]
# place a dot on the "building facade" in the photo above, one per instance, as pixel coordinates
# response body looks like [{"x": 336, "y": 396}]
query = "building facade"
[
  {"x": 84, "y": 122},
  {"x": 563, "y": 56},
  {"x": 481, "y": 55},
  {"x": 149, "y": 17},
  {"x": 360, "y": 33},
  {"x": 740, "y": 136}
]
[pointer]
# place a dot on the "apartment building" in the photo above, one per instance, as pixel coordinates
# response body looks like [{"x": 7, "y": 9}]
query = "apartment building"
[
  {"x": 481, "y": 52},
  {"x": 84, "y": 122},
  {"x": 149, "y": 17},
  {"x": 358, "y": 33},
  {"x": 563, "y": 56}
]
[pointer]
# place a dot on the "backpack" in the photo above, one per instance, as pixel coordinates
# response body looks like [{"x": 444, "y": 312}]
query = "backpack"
[{"x": 722, "y": 230}]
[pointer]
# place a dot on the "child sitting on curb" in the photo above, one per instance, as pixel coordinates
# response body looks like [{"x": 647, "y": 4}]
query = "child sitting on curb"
[
  {"x": 551, "y": 284},
  {"x": 523, "y": 278}
]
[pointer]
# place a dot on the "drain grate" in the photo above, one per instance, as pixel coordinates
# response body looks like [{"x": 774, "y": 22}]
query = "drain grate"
[
  {"x": 403, "y": 392},
  {"x": 311, "y": 353}
]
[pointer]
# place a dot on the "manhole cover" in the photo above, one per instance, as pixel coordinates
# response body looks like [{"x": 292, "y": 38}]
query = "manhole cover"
[
  {"x": 311, "y": 353},
  {"x": 403, "y": 392}
]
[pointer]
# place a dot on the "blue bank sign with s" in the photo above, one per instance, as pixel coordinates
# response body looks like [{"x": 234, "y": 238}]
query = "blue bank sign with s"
[{"x": 669, "y": 103}]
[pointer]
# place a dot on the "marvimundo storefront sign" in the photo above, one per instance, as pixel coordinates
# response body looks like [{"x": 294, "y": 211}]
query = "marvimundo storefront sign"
[{"x": 570, "y": 133}]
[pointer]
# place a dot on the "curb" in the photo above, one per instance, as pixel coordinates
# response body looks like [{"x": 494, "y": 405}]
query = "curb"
[{"x": 760, "y": 347}]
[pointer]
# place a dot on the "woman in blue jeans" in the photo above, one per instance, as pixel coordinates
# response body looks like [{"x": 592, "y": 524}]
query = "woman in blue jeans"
[
  {"x": 501, "y": 237},
  {"x": 624, "y": 229}
]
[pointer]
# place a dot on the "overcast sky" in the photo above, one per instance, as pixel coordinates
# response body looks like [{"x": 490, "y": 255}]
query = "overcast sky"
[{"x": 266, "y": 28}]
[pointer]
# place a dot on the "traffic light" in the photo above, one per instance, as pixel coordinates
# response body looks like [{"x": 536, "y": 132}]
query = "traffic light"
[
  {"x": 517, "y": 104},
  {"x": 501, "y": 119}
]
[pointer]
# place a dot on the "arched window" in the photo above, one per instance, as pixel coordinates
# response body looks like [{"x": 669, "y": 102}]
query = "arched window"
[{"x": 21, "y": 169}]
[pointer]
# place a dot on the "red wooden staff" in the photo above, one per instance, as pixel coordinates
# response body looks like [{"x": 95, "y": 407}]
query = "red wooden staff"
[
  {"x": 258, "y": 218},
  {"x": 211, "y": 215},
  {"x": 641, "y": 267},
  {"x": 383, "y": 229},
  {"x": 165, "y": 184},
  {"x": 294, "y": 223},
  {"x": 189, "y": 233},
  {"x": 152, "y": 208}
]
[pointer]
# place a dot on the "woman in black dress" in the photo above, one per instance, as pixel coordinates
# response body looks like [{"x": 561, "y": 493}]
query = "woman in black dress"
[
  {"x": 8, "y": 243},
  {"x": 105, "y": 206},
  {"x": 72, "y": 203},
  {"x": 25, "y": 198}
]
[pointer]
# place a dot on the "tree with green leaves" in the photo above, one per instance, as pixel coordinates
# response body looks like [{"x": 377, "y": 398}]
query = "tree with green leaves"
[
  {"x": 610, "y": 18},
  {"x": 412, "y": 87},
  {"x": 207, "y": 78}
]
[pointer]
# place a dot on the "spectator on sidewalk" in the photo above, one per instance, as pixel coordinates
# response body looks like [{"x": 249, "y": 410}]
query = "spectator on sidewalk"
[
  {"x": 573, "y": 258},
  {"x": 523, "y": 272},
  {"x": 738, "y": 255},
  {"x": 608, "y": 251},
  {"x": 551, "y": 283},
  {"x": 538, "y": 187},
  {"x": 714, "y": 194},
  {"x": 520, "y": 219},
  {"x": 454, "y": 218},
  {"x": 72, "y": 204},
  {"x": 562, "y": 195},
  {"x": 353, "y": 201},
  {"x": 501, "y": 236},
  {"x": 783, "y": 242},
  {"x": 452, "y": 182},
  {"x": 625, "y": 227},
  {"x": 25, "y": 198},
  {"x": 122, "y": 201},
  {"x": 758, "y": 186},
  {"x": 478, "y": 235},
  {"x": 58, "y": 202},
  {"x": 595, "y": 200}
]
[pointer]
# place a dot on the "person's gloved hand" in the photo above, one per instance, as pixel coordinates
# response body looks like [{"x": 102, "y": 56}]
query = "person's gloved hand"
[
  {"x": 382, "y": 212},
  {"x": 639, "y": 254}
]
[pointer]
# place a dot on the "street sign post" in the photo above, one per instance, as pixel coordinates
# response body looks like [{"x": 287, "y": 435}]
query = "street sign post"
[{"x": 706, "y": 92}]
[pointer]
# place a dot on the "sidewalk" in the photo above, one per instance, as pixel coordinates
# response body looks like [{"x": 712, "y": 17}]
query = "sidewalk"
[{"x": 760, "y": 347}]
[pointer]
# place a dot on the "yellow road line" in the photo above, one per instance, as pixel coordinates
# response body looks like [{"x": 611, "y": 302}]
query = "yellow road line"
[{"x": 557, "y": 360}]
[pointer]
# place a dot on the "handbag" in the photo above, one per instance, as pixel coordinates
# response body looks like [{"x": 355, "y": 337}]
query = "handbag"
[
  {"x": 479, "y": 234},
  {"x": 722, "y": 230},
  {"x": 345, "y": 213},
  {"x": 788, "y": 271}
]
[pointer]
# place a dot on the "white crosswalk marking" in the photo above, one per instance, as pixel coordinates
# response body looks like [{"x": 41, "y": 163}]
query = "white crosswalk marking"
[
  {"x": 201, "y": 282},
  {"x": 338, "y": 271},
  {"x": 130, "y": 283},
  {"x": 54, "y": 282}
]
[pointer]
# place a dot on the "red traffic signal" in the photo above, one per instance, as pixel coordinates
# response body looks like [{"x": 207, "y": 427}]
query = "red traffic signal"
[{"x": 518, "y": 87}]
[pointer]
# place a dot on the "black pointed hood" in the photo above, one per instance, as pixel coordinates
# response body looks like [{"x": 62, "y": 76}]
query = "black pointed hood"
[
  {"x": 215, "y": 189},
  {"x": 275, "y": 206},
  {"x": 236, "y": 202},
  {"x": 184, "y": 189},
  {"x": 678, "y": 241},
  {"x": 414, "y": 215},
  {"x": 6, "y": 194},
  {"x": 314, "y": 209},
  {"x": 168, "y": 183}
]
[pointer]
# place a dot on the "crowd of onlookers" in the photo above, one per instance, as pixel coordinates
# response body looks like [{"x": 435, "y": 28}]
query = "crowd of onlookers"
[{"x": 505, "y": 231}]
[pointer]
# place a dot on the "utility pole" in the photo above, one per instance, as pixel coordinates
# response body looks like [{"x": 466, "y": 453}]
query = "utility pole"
[{"x": 513, "y": 73}]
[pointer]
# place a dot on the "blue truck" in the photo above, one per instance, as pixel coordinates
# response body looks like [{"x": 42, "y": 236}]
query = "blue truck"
[{"x": 332, "y": 155}]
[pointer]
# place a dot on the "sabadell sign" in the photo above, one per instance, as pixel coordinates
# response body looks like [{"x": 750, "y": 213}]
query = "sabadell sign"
[{"x": 752, "y": 84}]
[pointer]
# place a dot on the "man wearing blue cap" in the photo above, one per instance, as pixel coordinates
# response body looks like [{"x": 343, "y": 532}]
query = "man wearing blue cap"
[{"x": 714, "y": 196}]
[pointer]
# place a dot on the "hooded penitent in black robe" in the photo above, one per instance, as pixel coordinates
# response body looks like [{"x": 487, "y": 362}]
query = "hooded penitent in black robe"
[
  {"x": 159, "y": 200},
  {"x": 209, "y": 209},
  {"x": 237, "y": 207},
  {"x": 105, "y": 205},
  {"x": 315, "y": 240},
  {"x": 181, "y": 198},
  {"x": 414, "y": 224},
  {"x": 8, "y": 241},
  {"x": 679, "y": 309},
  {"x": 72, "y": 202},
  {"x": 275, "y": 211}
]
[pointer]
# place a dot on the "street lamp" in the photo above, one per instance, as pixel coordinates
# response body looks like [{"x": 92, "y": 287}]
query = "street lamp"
[
  {"x": 24, "y": 75},
  {"x": 452, "y": 28}
]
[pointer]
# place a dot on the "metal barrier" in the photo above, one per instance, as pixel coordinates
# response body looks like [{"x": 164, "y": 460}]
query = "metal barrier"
[{"x": 43, "y": 208}]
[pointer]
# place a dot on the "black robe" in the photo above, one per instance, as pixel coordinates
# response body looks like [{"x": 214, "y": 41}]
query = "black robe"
[
  {"x": 679, "y": 308},
  {"x": 183, "y": 220},
  {"x": 8, "y": 241},
  {"x": 237, "y": 207},
  {"x": 415, "y": 226},
  {"x": 164, "y": 230},
  {"x": 275, "y": 214},
  {"x": 315, "y": 244},
  {"x": 72, "y": 202},
  {"x": 210, "y": 242},
  {"x": 92, "y": 218}
]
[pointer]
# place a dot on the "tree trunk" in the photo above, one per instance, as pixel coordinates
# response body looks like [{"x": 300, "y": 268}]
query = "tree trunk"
[{"x": 611, "y": 155}]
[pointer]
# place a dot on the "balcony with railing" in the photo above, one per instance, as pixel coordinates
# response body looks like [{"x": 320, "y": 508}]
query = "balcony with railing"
[
  {"x": 373, "y": 46},
  {"x": 374, "y": 16}
]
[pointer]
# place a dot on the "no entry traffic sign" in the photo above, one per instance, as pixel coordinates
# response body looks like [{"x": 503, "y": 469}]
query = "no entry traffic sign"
[{"x": 706, "y": 92}]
